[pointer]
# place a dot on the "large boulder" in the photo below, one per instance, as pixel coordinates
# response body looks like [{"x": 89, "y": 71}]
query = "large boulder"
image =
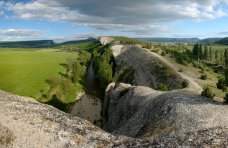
[{"x": 171, "y": 118}]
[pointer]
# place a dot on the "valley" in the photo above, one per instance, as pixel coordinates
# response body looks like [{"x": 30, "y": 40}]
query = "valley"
[
  {"x": 123, "y": 86},
  {"x": 113, "y": 74}
]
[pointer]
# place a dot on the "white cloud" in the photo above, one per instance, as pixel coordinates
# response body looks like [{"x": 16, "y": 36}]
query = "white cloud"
[
  {"x": 135, "y": 16},
  {"x": 22, "y": 32},
  {"x": 1, "y": 3}
]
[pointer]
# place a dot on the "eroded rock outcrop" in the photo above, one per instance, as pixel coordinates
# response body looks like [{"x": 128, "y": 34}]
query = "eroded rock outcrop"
[
  {"x": 165, "y": 119},
  {"x": 25, "y": 123},
  {"x": 105, "y": 40},
  {"x": 138, "y": 67}
]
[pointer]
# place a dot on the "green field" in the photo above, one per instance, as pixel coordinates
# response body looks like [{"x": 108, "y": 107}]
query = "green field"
[{"x": 25, "y": 72}]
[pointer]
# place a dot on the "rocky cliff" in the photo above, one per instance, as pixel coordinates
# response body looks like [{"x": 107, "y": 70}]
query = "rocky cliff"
[
  {"x": 165, "y": 119},
  {"x": 137, "y": 67},
  {"x": 105, "y": 40},
  {"x": 25, "y": 123},
  {"x": 156, "y": 119}
]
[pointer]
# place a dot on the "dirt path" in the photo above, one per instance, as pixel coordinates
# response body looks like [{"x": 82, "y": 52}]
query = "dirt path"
[{"x": 193, "y": 86}]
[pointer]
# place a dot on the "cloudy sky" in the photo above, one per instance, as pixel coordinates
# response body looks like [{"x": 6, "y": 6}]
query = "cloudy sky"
[{"x": 75, "y": 19}]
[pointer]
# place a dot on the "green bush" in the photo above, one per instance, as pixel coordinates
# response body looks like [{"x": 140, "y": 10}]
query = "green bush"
[
  {"x": 180, "y": 70},
  {"x": 221, "y": 84},
  {"x": 207, "y": 92},
  {"x": 203, "y": 77},
  {"x": 163, "y": 53},
  {"x": 185, "y": 84},
  {"x": 162, "y": 87}
]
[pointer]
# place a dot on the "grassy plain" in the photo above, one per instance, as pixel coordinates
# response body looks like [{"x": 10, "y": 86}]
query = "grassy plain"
[{"x": 25, "y": 71}]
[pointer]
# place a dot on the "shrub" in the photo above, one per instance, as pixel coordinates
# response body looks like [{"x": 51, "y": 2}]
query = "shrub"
[
  {"x": 163, "y": 53},
  {"x": 221, "y": 84},
  {"x": 207, "y": 93},
  {"x": 155, "y": 50},
  {"x": 180, "y": 70},
  {"x": 226, "y": 98},
  {"x": 185, "y": 84},
  {"x": 203, "y": 77},
  {"x": 162, "y": 87}
]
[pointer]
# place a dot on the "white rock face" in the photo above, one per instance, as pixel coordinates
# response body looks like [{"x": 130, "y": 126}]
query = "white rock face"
[
  {"x": 105, "y": 40},
  {"x": 116, "y": 49}
]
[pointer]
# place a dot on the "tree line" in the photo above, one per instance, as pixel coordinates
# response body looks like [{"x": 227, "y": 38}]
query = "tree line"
[{"x": 204, "y": 52}]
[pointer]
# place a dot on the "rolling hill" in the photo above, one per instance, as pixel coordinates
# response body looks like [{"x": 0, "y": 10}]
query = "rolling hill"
[
  {"x": 28, "y": 44},
  {"x": 223, "y": 41}
]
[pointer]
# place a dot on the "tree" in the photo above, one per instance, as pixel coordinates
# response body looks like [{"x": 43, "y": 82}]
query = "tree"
[
  {"x": 195, "y": 50},
  {"x": 206, "y": 53},
  {"x": 221, "y": 59},
  {"x": 163, "y": 53},
  {"x": 203, "y": 77},
  {"x": 104, "y": 73},
  {"x": 185, "y": 84},
  {"x": 78, "y": 72},
  {"x": 201, "y": 51},
  {"x": 216, "y": 56},
  {"x": 226, "y": 57},
  {"x": 211, "y": 55},
  {"x": 226, "y": 98},
  {"x": 226, "y": 76}
]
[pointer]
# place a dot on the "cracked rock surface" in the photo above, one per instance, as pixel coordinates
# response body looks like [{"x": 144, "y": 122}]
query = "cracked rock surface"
[
  {"x": 25, "y": 123},
  {"x": 165, "y": 118}
]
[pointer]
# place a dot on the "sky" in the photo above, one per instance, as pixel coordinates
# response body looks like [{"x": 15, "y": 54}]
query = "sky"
[{"x": 63, "y": 20}]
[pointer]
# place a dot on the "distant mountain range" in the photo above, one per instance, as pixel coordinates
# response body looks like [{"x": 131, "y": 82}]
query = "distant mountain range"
[
  {"x": 40, "y": 43},
  {"x": 223, "y": 41},
  {"x": 78, "y": 41},
  {"x": 28, "y": 44},
  {"x": 51, "y": 43},
  {"x": 186, "y": 40}
]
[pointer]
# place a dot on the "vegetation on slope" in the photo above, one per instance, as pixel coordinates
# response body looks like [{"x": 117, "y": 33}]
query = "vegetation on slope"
[
  {"x": 130, "y": 41},
  {"x": 104, "y": 66},
  {"x": 206, "y": 62}
]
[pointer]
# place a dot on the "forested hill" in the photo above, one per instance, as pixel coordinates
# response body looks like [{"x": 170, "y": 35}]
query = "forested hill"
[
  {"x": 209, "y": 40},
  {"x": 41, "y": 43},
  {"x": 223, "y": 41},
  {"x": 78, "y": 41},
  {"x": 171, "y": 40},
  {"x": 28, "y": 44}
]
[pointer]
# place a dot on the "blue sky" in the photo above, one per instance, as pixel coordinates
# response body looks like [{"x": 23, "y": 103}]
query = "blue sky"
[{"x": 76, "y": 19}]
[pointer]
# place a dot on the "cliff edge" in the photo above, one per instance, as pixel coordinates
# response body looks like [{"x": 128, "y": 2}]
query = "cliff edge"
[
  {"x": 27, "y": 123},
  {"x": 165, "y": 118}
]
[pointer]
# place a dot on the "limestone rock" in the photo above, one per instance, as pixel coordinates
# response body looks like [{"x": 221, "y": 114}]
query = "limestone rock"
[
  {"x": 145, "y": 69},
  {"x": 25, "y": 123},
  {"x": 165, "y": 119},
  {"x": 105, "y": 40}
]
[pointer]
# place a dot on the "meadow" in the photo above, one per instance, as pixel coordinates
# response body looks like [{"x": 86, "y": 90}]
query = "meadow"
[{"x": 25, "y": 71}]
